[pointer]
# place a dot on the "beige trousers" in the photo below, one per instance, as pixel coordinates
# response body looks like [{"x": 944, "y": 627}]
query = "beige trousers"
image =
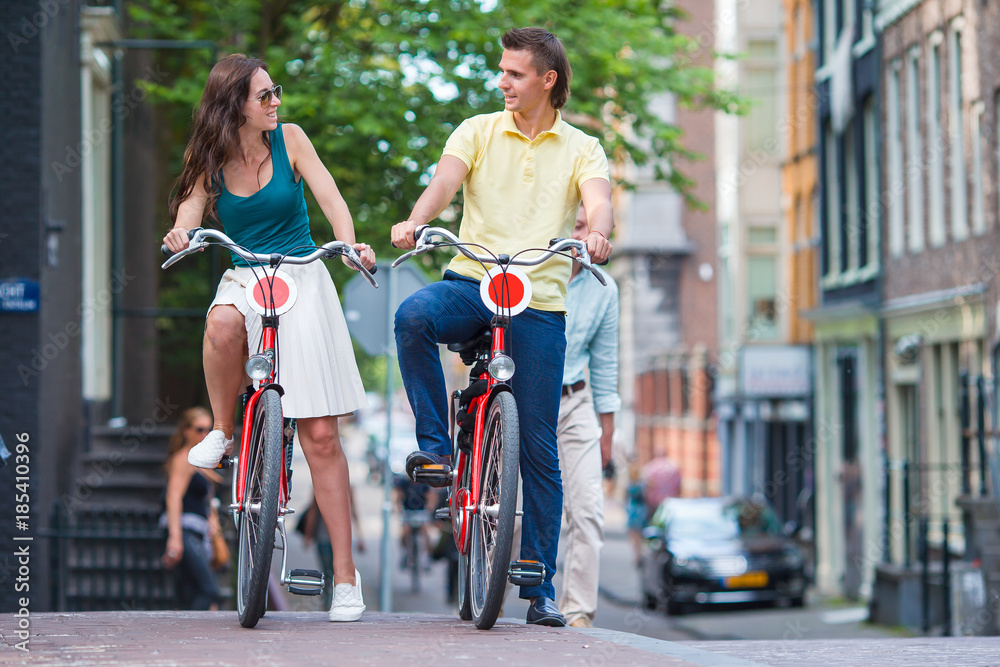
[{"x": 583, "y": 504}]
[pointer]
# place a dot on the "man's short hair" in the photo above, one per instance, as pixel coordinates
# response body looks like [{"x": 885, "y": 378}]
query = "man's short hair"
[{"x": 547, "y": 53}]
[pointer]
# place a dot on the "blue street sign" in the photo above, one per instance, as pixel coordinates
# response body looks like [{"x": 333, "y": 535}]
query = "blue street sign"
[{"x": 19, "y": 295}]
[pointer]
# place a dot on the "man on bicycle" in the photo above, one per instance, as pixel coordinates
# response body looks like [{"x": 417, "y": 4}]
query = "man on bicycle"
[{"x": 525, "y": 172}]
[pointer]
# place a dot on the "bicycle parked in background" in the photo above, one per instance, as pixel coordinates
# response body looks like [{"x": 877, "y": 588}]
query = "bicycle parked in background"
[
  {"x": 485, "y": 431},
  {"x": 261, "y": 486}
]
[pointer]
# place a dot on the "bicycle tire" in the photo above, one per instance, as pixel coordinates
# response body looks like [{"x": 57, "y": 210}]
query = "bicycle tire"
[
  {"x": 256, "y": 529},
  {"x": 489, "y": 553},
  {"x": 462, "y": 586}
]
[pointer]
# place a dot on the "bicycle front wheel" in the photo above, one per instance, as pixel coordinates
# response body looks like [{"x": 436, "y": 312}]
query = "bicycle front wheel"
[
  {"x": 259, "y": 517},
  {"x": 493, "y": 521}
]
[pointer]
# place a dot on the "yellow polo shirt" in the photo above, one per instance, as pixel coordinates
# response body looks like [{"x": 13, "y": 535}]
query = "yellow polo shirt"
[{"x": 522, "y": 193}]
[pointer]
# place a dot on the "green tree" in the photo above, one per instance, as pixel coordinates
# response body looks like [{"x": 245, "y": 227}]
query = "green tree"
[{"x": 379, "y": 85}]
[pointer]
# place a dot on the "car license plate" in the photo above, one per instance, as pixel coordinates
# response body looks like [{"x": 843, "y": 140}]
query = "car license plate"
[{"x": 748, "y": 580}]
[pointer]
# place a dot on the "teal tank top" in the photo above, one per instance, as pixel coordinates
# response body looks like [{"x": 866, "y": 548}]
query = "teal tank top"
[{"x": 273, "y": 219}]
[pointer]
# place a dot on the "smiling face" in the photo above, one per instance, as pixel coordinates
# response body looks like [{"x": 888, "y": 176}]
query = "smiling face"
[
  {"x": 261, "y": 118},
  {"x": 524, "y": 89}
]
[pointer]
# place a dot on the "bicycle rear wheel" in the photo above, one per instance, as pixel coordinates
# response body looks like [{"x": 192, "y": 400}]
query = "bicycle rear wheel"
[
  {"x": 493, "y": 522},
  {"x": 259, "y": 517}
]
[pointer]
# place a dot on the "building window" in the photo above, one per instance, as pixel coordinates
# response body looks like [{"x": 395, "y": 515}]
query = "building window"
[
  {"x": 872, "y": 222},
  {"x": 762, "y": 294},
  {"x": 854, "y": 232},
  {"x": 761, "y": 86},
  {"x": 798, "y": 34},
  {"x": 914, "y": 155},
  {"x": 959, "y": 201},
  {"x": 894, "y": 180},
  {"x": 830, "y": 28},
  {"x": 935, "y": 143},
  {"x": 832, "y": 193},
  {"x": 978, "y": 206},
  {"x": 996, "y": 115}
]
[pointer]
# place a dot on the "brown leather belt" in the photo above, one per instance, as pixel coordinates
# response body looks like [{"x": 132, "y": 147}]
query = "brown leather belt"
[{"x": 570, "y": 389}]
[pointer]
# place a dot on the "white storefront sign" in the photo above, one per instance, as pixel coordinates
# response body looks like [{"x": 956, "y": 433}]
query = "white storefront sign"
[{"x": 775, "y": 371}]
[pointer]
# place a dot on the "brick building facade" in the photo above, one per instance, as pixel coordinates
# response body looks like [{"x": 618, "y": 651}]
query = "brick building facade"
[{"x": 669, "y": 297}]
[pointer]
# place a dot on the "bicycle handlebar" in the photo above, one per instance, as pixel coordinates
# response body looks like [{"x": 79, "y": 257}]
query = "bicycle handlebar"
[
  {"x": 423, "y": 234},
  {"x": 201, "y": 238}
]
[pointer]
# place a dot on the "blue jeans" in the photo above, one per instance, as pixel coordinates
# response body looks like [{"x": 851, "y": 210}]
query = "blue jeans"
[{"x": 451, "y": 311}]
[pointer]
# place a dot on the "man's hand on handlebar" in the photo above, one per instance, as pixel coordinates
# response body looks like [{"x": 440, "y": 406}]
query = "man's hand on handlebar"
[
  {"x": 599, "y": 247},
  {"x": 402, "y": 234},
  {"x": 366, "y": 254},
  {"x": 177, "y": 239}
]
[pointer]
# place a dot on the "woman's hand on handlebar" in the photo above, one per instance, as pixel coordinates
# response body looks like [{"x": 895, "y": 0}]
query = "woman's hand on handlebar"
[
  {"x": 402, "y": 234},
  {"x": 177, "y": 239},
  {"x": 366, "y": 254}
]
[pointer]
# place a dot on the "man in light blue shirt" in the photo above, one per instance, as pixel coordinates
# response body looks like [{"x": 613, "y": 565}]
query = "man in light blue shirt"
[{"x": 586, "y": 427}]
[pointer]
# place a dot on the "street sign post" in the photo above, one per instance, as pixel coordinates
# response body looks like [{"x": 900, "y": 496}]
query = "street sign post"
[
  {"x": 369, "y": 312},
  {"x": 370, "y": 315}
]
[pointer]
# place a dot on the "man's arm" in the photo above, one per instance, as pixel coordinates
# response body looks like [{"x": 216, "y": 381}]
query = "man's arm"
[
  {"x": 607, "y": 436},
  {"x": 596, "y": 194},
  {"x": 448, "y": 178},
  {"x": 603, "y": 349}
]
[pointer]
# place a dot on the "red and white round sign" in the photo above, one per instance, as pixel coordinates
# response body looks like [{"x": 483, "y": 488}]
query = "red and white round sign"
[
  {"x": 274, "y": 292},
  {"x": 508, "y": 289}
]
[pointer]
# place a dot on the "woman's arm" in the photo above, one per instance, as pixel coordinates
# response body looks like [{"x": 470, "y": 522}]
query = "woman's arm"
[
  {"x": 305, "y": 161},
  {"x": 178, "y": 478},
  {"x": 189, "y": 215}
]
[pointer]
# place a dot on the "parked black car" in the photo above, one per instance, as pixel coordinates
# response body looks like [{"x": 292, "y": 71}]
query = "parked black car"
[{"x": 719, "y": 550}]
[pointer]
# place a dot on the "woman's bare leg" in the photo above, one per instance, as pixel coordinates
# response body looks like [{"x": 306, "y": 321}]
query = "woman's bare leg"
[
  {"x": 320, "y": 440},
  {"x": 224, "y": 348}
]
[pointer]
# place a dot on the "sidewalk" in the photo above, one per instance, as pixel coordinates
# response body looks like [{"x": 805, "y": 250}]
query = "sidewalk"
[{"x": 306, "y": 638}]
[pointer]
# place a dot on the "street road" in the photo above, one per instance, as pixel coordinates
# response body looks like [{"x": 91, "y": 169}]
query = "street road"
[{"x": 619, "y": 608}]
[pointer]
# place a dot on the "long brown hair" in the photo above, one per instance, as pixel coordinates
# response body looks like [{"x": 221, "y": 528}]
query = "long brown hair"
[
  {"x": 216, "y": 136},
  {"x": 179, "y": 438}
]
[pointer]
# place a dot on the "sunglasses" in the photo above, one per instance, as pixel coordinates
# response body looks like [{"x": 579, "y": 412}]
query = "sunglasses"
[{"x": 265, "y": 97}]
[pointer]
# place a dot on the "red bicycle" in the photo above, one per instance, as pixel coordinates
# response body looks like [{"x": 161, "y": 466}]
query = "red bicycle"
[
  {"x": 485, "y": 432},
  {"x": 262, "y": 483}
]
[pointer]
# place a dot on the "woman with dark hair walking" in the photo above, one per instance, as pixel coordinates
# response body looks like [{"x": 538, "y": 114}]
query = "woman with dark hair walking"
[
  {"x": 244, "y": 169},
  {"x": 189, "y": 523}
]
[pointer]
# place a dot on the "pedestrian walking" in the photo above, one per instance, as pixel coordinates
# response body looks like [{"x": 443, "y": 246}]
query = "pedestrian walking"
[
  {"x": 586, "y": 430},
  {"x": 189, "y": 522}
]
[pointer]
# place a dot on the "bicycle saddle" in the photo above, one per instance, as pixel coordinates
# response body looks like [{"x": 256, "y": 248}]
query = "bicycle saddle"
[{"x": 482, "y": 337}]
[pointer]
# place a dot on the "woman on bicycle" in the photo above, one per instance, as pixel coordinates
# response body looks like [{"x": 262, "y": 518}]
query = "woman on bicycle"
[{"x": 244, "y": 169}]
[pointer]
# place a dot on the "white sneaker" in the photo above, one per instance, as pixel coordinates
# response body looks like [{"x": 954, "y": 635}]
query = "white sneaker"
[
  {"x": 348, "y": 605},
  {"x": 208, "y": 452}
]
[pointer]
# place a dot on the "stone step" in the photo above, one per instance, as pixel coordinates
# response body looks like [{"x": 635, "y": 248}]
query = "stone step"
[{"x": 132, "y": 438}]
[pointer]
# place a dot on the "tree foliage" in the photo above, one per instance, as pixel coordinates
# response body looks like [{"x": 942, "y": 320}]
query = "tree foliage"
[{"x": 378, "y": 86}]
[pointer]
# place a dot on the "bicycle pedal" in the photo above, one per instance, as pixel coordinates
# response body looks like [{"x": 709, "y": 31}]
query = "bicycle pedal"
[
  {"x": 442, "y": 513},
  {"x": 225, "y": 462},
  {"x": 526, "y": 573},
  {"x": 436, "y": 475},
  {"x": 305, "y": 582}
]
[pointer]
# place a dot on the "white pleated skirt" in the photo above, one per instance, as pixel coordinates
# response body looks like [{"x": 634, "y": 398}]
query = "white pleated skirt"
[{"x": 316, "y": 365}]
